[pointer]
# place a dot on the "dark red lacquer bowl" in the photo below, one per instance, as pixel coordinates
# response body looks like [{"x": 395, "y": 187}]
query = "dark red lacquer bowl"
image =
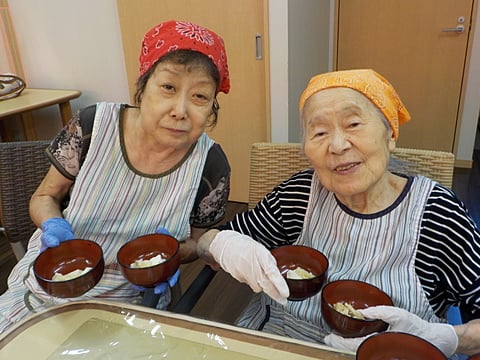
[
  {"x": 70, "y": 255},
  {"x": 144, "y": 248},
  {"x": 397, "y": 345},
  {"x": 360, "y": 295},
  {"x": 290, "y": 257}
]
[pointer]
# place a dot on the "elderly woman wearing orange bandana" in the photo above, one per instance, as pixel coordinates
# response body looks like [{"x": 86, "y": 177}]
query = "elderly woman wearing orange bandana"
[
  {"x": 134, "y": 170},
  {"x": 407, "y": 235}
]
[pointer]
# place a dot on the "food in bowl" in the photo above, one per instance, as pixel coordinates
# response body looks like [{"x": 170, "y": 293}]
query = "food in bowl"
[
  {"x": 142, "y": 263},
  {"x": 304, "y": 269},
  {"x": 58, "y": 276},
  {"x": 346, "y": 308},
  {"x": 299, "y": 273}
]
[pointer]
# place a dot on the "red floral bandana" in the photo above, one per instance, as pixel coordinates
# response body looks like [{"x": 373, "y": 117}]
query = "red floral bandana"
[{"x": 179, "y": 35}]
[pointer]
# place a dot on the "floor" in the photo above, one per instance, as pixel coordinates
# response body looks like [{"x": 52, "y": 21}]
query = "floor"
[{"x": 225, "y": 298}]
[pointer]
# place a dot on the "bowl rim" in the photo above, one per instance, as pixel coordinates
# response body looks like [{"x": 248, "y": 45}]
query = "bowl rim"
[
  {"x": 401, "y": 334},
  {"x": 350, "y": 317},
  {"x": 327, "y": 265},
  {"x": 169, "y": 259},
  {"x": 51, "y": 281}
]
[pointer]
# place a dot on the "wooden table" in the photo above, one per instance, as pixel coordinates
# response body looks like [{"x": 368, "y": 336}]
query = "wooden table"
[
  {"x": 123, "y": 331},
  {"x": 34, "y": 99}
]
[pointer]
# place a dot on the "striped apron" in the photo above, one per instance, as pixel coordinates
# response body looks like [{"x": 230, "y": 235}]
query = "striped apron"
[
  {"x": 112, "y": 204},
  {"x": 379, "y": 249}
]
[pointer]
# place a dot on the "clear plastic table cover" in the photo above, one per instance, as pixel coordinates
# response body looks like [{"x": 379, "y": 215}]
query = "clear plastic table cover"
[{"x": 101, "y": 330}]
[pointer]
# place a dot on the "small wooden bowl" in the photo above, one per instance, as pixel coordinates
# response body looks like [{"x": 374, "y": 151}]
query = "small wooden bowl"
[
  {"x": 144, "y": 248},
  {"x": 360, "y": 295},
  {"x": 70, "y": 255},
  {"x": 290, "y": 257},
  {"x": 397, "y": 345}
]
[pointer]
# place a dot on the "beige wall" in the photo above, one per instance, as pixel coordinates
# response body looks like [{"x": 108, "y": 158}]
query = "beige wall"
[
  {"x": 71, "y": 45},
  {"x": 77, "y": 44}
]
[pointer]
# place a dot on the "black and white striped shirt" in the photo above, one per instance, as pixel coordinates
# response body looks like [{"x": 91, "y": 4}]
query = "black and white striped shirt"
[{"x": 448, "y": 254}]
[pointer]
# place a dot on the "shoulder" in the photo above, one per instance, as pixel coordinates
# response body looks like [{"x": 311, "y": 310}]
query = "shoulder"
[
  {"x": 216, "y": 165},
  {"x": 214, "y": 188},
  {"x": 443, "y": 205},
  {"x": 300, "y": 178},
  {"x": 217, "y": 155},
  {"x": 448, "y": 254},
  {"x": 289, "y": 200},
  {"x": 294, "y": 190},
  {"x": 448, "y": 232},
  {"x": 87, "y": 115},
  {"x": 278, "y": 218}
]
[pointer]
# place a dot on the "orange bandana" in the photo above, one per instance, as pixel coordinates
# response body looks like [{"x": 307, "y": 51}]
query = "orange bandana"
[{"x": 374, "y": 86}]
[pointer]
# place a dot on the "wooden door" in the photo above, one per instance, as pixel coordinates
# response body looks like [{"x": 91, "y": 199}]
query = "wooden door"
[
  {"x": 405, "y": 41},
  {"x": 244, "y": 115}
]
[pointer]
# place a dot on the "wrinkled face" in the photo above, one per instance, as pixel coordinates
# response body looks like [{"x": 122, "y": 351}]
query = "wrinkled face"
[
  {"x": 346, "y": 140},
  {"x": 176, "y": 104}
]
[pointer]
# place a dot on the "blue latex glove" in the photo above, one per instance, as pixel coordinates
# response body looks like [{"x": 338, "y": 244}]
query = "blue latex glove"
[
  {"x": 162, "y": 230},
  {"x": 55, "y": 230},
  {"x": 171, "y": 281},
  {"x": 162, "y": 287}
]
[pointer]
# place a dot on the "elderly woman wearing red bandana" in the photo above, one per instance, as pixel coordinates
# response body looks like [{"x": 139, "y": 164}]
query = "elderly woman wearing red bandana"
[
  {"x": 120, "y": 171},
  {"x": 407, "y": 235}
]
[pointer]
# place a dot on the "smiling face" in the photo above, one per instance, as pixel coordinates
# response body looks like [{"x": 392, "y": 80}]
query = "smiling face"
[
  {"x": 176, "y": 104},
  {"x": 348, "y": 143}
]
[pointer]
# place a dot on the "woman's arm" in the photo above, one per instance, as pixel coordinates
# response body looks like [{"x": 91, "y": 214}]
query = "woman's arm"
[
  {"x": 46, "y": 200},
  {"x": 468, "y": 337},
  {"x": 188, "y": 247},
  {"x": 448, "y": 255},
  {"x": 203, "y": 248}
]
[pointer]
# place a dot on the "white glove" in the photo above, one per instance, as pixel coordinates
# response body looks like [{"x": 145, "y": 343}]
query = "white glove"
[
  {"x": 249, "y": 262},
  {"x": 441, "y": 335}
]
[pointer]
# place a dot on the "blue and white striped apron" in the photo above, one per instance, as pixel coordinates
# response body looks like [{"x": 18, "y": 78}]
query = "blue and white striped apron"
[{"x": 379, "y": 249}]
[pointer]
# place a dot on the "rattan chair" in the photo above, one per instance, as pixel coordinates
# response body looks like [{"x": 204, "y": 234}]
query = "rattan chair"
[
  {"x": 23, "y": 165},
  {"x": 271, "y": 163}
]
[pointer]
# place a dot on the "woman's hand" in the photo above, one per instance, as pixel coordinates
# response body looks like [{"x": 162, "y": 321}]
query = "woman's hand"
[
  {"x": 55, "y": 230},
  {"x": 441, "y": 335},
  {"x": 469, "y": 337},
  {"x": 188, "y": 247},
  {"x": 249, "y": 262},
  {"x": 162, "y": 287}
]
